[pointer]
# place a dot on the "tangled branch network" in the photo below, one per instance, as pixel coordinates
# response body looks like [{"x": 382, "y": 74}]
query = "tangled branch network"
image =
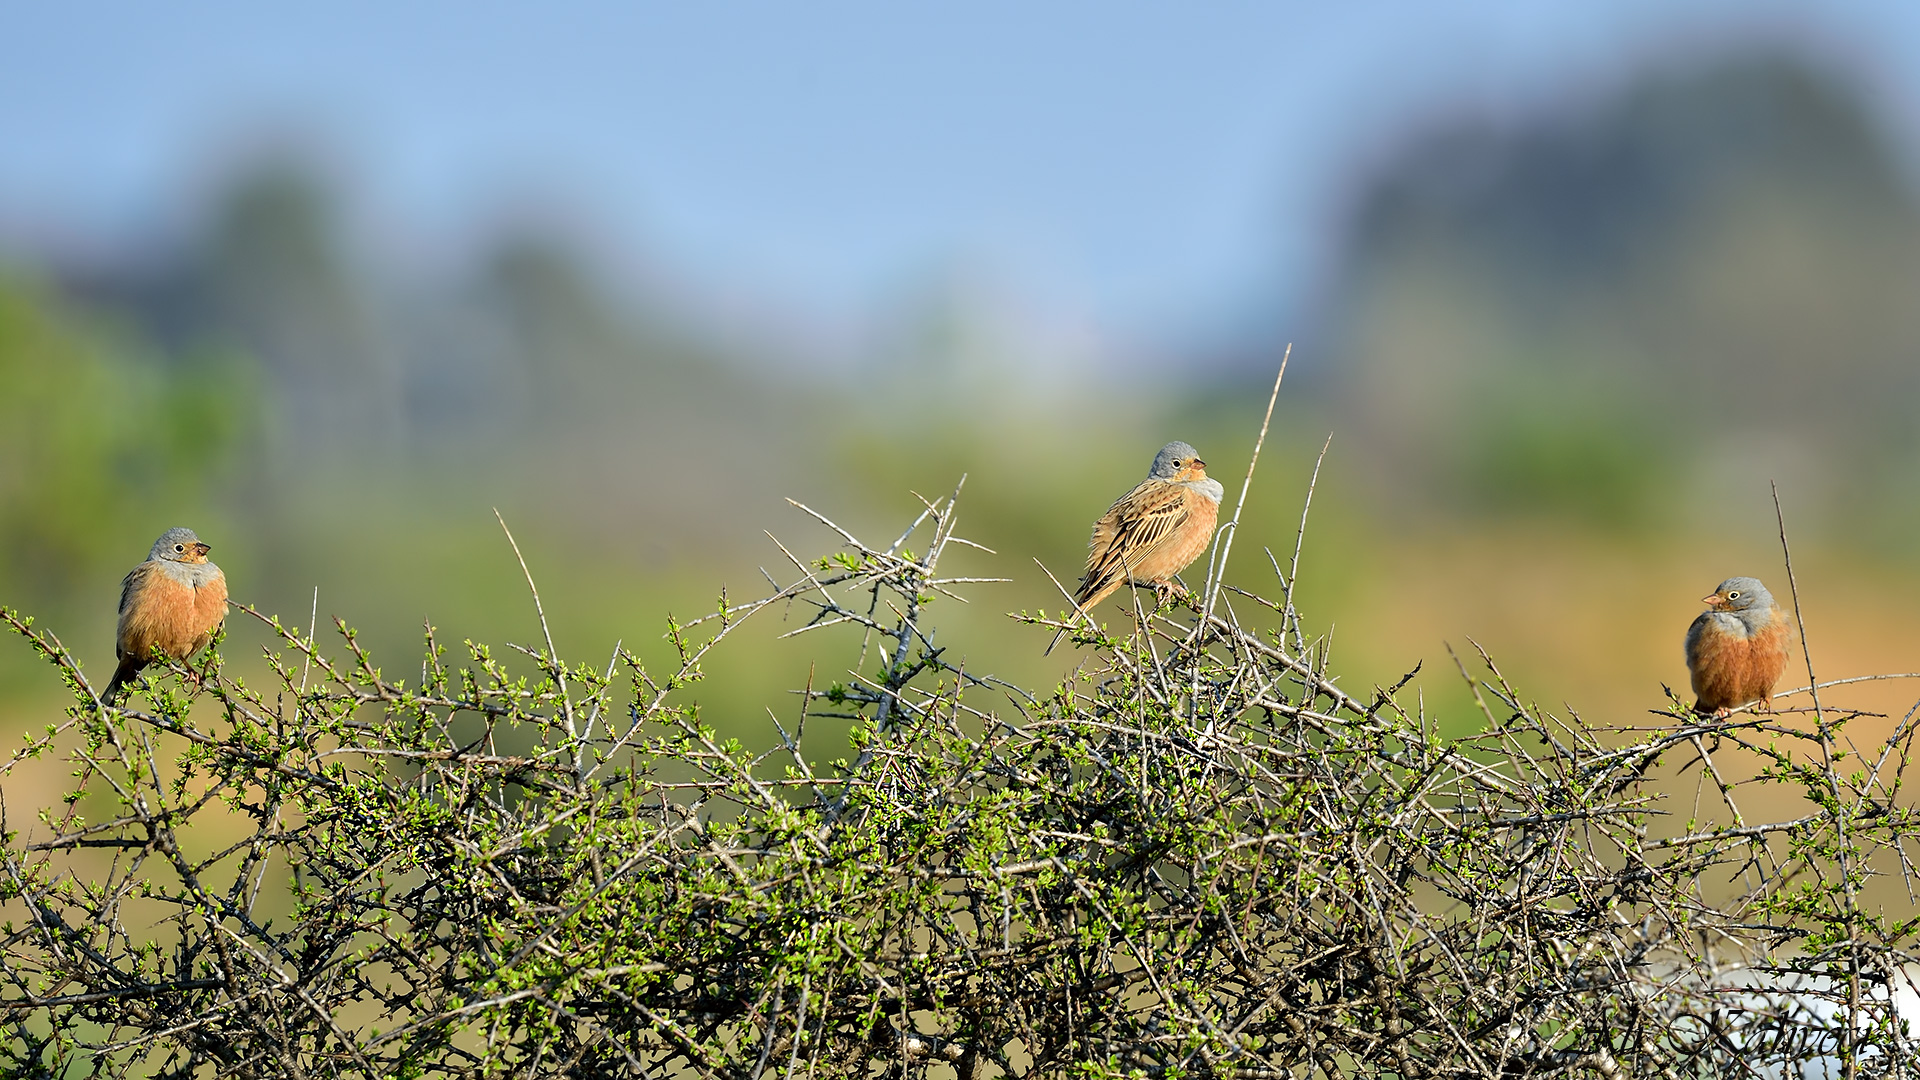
[{"x": 1198, "y": 857}]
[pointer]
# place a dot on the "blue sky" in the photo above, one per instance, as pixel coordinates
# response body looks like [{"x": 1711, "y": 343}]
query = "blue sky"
[{"x": 1158, "y": 170}]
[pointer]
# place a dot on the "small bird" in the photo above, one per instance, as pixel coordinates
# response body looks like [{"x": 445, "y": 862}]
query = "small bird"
[
  {"x": 171, "y": 605},
  {"x": 1737, "y": 650},
  {"x": 1152, "y": 532}
]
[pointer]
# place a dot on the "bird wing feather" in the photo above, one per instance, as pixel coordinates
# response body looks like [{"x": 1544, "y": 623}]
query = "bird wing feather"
[
  {"x": 1130, "y": 531},
  {"x": 1694, "y": 633},
  {"x": 126, "y": 586},
  {"x": 1157, "y": 516}
]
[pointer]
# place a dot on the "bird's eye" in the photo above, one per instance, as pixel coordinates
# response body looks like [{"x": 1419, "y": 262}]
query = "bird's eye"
[
  {"x": 1734, "y": 595},
  {"x": 179, "y": 547}
]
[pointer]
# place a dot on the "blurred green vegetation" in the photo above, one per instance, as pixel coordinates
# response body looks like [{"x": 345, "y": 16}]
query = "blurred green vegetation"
[
  {"x": 1567, "y": 445},
  {"x": 1562, "y": 356},
  {"x": 99, "y": 438}
]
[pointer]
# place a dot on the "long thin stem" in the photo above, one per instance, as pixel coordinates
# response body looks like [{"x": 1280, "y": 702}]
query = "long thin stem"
[
  {"x": 554, "y": 662},
  {"x": 1291, "y": 618},
  {"x": 1849, "y": 1057},
  {"x": 1217, "y": 568}
]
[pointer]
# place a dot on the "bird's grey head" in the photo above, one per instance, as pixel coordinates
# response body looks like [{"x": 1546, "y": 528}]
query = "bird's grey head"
[
  {"x": 1172, "y": 458},
  {"x": 179, "y": 545},
  {"x": 1741, "y": 594}
]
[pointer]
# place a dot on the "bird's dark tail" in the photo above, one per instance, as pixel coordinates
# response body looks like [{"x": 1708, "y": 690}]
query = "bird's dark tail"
[
  {"x": 121, "y": 676},
  {"x": 1078, "y": 609}
]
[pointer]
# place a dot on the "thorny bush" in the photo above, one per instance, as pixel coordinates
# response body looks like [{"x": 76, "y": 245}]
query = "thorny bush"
[{"x": 1198, "y": 858}]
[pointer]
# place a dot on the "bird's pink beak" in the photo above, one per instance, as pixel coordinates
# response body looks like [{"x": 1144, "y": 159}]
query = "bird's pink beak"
[{"x": 1713, "y": 601}]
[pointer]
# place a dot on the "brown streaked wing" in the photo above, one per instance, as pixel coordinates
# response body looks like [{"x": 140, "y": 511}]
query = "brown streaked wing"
[
  {"x": 126, "y": 584},
  {"x": 1155, "y": 517},
  {"x": 1129, "y": 532},
  {"x": 132, "y": 635}
]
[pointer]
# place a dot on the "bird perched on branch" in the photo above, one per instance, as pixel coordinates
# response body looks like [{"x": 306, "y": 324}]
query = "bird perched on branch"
[
  {"x": 1737, "y": 650},
  {"x": 170, "y": 605},
  {"x": 1152, "y": 532}
]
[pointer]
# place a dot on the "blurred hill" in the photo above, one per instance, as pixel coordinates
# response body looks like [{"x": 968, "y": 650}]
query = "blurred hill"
[{"x": 1639, "y": 311}]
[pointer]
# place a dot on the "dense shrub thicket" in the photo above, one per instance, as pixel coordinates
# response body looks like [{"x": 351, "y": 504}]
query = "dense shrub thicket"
[{"x": 1201, "y": 857}]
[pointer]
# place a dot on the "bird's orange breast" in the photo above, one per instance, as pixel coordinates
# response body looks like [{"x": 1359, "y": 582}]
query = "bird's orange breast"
[
  {"x": 170, "y": 616},
  {"x": 1730, "y": 671}
]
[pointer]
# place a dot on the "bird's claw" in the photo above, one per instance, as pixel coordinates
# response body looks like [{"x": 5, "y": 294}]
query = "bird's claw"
[{"x": 1169, "y": 591}]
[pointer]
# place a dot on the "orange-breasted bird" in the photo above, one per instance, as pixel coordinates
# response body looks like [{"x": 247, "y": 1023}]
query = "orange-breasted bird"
[
  {"x": 1154, "y": 531},
  {"x": 1737, "y": 650},
  {"x": 169, "y": 605}
]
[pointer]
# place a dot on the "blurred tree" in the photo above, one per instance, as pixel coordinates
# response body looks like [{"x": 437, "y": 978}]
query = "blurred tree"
[
  {"x": 561, "y": 326},
  {"x": 277, "y": 285},
  {"x": 266, "y": 275}
]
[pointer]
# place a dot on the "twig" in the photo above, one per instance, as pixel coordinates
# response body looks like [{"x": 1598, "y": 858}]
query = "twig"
[
  {"x": 554, "y": 664},
  {"x": 1849, "y": 1060},
  {"x": 1291, "y": 619},
  {"x": 1793, "y": 588},
  {"x": 1217, "y": 568},
  {"x": 313, "y": 630}
]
